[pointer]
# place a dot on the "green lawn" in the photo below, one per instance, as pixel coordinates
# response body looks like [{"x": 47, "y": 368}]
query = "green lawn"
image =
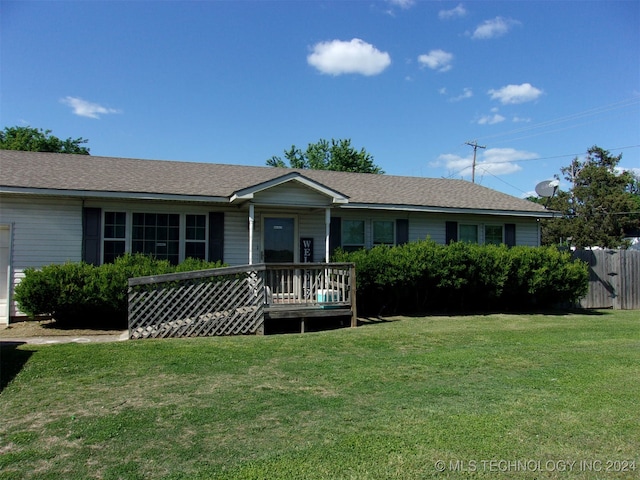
[{"x": 507, "y": 396}]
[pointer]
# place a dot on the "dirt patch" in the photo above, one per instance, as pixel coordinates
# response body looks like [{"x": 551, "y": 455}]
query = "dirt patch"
[{"x": 48, "y": 328}]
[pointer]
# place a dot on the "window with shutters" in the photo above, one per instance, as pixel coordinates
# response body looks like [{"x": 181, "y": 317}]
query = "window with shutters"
[
  {"x": 383, "y": 232},
  {"x": 468, "y": 233},
  {"x": 493, "y": 234},
  {"x": 352, "y": 235}
]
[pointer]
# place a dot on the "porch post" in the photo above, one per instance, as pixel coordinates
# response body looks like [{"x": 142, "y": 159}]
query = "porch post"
[
  {"x": 251, "y": 222},
  {"x": 327, "y": 228}
]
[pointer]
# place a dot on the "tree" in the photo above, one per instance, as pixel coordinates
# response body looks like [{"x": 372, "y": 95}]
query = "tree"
[
  {"x": 38, "y": 140},
  {"x": 338, "y": 155},
  {"x": 600, "y": 209}
]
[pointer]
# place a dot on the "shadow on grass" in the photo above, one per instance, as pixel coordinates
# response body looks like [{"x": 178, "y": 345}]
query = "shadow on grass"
[
  {"x": 294, "y": 325},
  {"x": 364, "y": 321},
  {"x": 12, "y": 361},
  {"x": 462, "y": 314}
]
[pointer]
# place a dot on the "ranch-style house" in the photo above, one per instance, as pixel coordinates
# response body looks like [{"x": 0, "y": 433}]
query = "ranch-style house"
[{"x": 56, "y": 208}]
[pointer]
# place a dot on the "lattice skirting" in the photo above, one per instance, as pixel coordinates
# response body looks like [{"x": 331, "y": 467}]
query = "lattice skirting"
[
  {"x": 224, "y": 306},
  {"x": 242, "y": 321}
]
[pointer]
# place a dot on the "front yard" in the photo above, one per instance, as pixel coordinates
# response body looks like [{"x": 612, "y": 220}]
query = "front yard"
[{"x": 506, "y": 396}]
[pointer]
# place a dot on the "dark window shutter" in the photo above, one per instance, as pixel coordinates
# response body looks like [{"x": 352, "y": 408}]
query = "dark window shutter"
[
  {"x": 451, "y": 232},
  {"x": 335, "y": 234},
  {"x": 510, "y": 234},
  {"x": 216, "y": 236},
  {"x": 402, "y": 231},
  {"x": 91, "y": 235}
]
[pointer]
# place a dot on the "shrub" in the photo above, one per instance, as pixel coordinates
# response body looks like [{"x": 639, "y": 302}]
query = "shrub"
[
  {"x": 424, "y": 276},
  {"x": 80, "y": 294}
]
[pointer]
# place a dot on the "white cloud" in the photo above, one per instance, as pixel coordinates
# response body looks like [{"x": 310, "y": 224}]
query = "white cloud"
[
  {"x": 506, "y": 155},
  {"x": 494, "y": 28},
  {"x": 491, "y": 119},
  {"x": 466, "y": 93},
  {"x": 634, "y": 170},
  {"x": 442, "y": 91},
  {"x": 87, "y": 109},
  {"x": 515, "y": 93},
  {"x": 402, "y": 3},
  {"x": 496, "y": 161},
  {"x": 454, "y": 163},
  {"x": 458, "y": 11},
  {"x": 339, "y": 57},
  {"x": 437, "y": 60},
  {"x": 518, "y": 119}
]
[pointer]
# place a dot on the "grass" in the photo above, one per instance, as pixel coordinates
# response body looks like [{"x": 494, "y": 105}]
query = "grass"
[{"x": 513, "y": 396}]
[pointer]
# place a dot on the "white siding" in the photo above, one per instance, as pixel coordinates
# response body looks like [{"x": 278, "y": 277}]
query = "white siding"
[
  {"x": 45, "y": 231},
  {"x": 422, "y": 226},
  {"x": 236, "y": 238},
  {"x": 311, "y": 225}
]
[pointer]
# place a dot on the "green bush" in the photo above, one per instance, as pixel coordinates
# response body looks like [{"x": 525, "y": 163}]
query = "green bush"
[
  {"x": 80, "y": 294},
  {"x": 425, "y": 276}
]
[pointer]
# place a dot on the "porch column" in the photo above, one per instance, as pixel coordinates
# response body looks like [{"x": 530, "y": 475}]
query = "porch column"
[
  {"x": 327, "y": 227},
  {"x": 251, "y": 222}
]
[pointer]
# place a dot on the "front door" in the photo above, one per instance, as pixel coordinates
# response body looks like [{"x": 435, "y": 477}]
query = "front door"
[{"x": 279, "y": 239}]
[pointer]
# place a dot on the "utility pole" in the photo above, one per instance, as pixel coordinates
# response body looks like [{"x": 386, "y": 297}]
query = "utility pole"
[{"x": 475, "y": 148}]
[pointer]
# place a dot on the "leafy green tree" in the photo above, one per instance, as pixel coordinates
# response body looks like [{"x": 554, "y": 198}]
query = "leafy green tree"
[
  {"x": 38, "y": 140},
  {"x": 337, "y": 155},
  {"x": 600, "y": 209}
]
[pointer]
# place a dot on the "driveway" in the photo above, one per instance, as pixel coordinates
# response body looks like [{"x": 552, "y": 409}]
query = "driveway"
[{"x": 54, "y": 339}]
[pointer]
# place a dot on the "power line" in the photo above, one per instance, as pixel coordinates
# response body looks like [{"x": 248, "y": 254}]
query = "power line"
[
  {"x": 540, "y": 158},
  {"x": 593, "y": 111}
]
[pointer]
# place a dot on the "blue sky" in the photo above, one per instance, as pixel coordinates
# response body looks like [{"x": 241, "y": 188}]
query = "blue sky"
[{"x": 536, "y": 83}]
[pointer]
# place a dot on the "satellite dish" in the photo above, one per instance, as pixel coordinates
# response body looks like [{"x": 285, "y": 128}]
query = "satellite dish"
[{"x": 547, "y": 188}]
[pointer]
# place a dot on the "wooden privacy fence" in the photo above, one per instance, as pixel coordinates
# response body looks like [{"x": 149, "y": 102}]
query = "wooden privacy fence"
[
  {"x": 237, "y": 300},
  {"x": 614, "y": 279}
]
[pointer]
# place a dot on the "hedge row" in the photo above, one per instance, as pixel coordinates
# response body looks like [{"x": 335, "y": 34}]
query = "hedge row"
[
  {"x": 425, "y": 276},
  {"x": 80, "y": 294}
]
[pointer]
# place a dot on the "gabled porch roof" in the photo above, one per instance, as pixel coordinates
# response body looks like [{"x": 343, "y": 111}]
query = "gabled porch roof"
[{"x": 249, "y": 193}]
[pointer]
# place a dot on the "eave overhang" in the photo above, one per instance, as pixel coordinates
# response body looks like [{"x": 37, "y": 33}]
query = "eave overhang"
[
  {"x": 113, "y": 195},
  {"x": 451, "y": 210}
]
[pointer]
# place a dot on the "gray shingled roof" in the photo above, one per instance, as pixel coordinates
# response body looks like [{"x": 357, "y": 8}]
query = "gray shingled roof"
[{"x": 35, "y": 170}]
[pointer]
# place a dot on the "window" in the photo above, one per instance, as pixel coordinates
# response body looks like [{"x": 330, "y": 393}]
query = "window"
[
  {"x": 157, "y": 234},
  {"x": 493, "y": 234},
  {"x": 352, "y": 235},
  {"x": 469, "y": 233},
  {"x": 195, "y": 237},
  {"x": 383, "y": 232},
  {"x": 115, "y": 225}
]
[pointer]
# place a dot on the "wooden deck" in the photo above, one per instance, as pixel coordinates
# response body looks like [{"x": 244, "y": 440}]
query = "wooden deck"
[{"x": 239, "y": 300}]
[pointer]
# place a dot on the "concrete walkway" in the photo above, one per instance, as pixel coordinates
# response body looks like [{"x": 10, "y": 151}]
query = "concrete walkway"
[{"x": 54, "y": 339}]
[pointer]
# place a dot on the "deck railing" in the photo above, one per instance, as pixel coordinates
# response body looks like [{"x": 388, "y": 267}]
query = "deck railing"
[
  {"x": 307, "y": 284},
  {"x": 235, "y": 300}
]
